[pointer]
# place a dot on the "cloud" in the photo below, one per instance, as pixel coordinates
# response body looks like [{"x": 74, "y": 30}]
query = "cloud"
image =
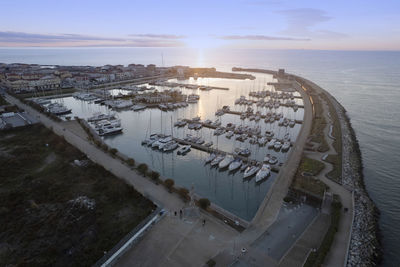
[
  {"x": 8, "y": 38},
  {"x": 261, "y": 38},
  {"x": 158, "y": 36},
  {"x": 301, "y": 22}
]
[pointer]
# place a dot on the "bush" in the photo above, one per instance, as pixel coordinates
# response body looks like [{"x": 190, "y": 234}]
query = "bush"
[
  {"x": 204, "y": 203},
  {"x": 104, "y": 147},
  {"x": 113, "y": 151},
  {"x": 142, "y": 168},
  {"x": 154, "y": 175},
  {"x": 184, "y": 193},
  {"x": 211, "y": 263},
  {"x": 169, "y": 183},
  {"x": 130, "y": 162}
]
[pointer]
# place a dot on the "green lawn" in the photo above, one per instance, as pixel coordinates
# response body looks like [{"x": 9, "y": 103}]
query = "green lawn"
[
  {"x": 40, "y": 224},
  {"x": 309, "y": 183}
]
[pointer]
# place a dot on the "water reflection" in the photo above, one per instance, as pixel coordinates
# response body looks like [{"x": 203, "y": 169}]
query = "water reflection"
[{"x": 229, "y": 190}]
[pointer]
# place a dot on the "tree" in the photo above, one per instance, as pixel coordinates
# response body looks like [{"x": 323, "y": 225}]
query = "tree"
[
  {"x": 113, "y": 151},
  {"x": 131, "y": 162},
  {"x": 204, "y": 203},
  {"x": 155, "y": 175},
  {"x": 142, "y": 168},
  {"x": 184, "y": 193},
  {"x": 169, "y": 183}
]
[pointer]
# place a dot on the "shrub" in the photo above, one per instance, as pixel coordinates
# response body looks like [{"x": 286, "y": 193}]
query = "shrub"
[
  {"x": 154, "y": 175},
  {"x": 184, "y": 193},
  {"x": 142, "y": 168},
  {"x": 131, "y": 162},
  {"x": 211, "y": 263},
  {"x": 104, "y": 147},
  {"x": 204, "y": 203},
  {"x": 113, "y": 151},
  {"x": 169, "y": 183}
]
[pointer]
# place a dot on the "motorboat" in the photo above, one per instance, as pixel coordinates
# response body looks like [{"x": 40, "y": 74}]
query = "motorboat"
[
  {"x": 263, "y": 173},
  {"x": 200, "y": 141},
  {"x": 244, "y": 167},
  {"x": 104, "y": 123},
  {"x": 267, "y": 158},
  {"x": 262, "y": 141},
  {"x": 277, "y": 145},
  {"x": 269, "y": 134},
  {"x": 210, "y": 158},
  {"x": 170, "y": 146},
  {"x": 109, "y": 130},
  {"x": 271, "y": 143},
  {"x": 250, "y": 171},
  {"x": 180, "y": 123},
  {"x": 285, "y": 146},
  {"x": 245, "y": 152},
  {"x": 160, "y": 143},
  {"x": 149, "y": 141},
  {"x": 138, "y": 107},
  {"x": 197, "y": 118},
  {"x": 286, "y": 137},
  {"x": 58, "y": 109},
  {"x": 183, "y": 150},
  {"x": 100, "y": 117},
  {"x": 216, "y": 123},
  {"x": 229, "y": 134},
  {"x": 208, "y": 144},
  {"x": 226, "y": 161},
  {"x": 273, "y": 160},
  {"x": 217, "y": 160},
  {"x": 219, "y": 131},
  {"x": 235, "y": 165}
]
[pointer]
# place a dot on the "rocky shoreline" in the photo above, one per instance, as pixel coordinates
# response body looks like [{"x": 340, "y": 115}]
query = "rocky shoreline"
[{"x": 364, "y": 247}]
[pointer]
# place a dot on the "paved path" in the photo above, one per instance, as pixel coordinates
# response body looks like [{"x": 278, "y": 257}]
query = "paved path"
[
  {"x": 172, "y": 240},
  {"x": 338, "y": 251},
  {"x": 269, "y": 208}
]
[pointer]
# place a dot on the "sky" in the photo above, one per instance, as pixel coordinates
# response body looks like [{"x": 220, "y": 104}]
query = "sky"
[{"x": 252, "y": 24}]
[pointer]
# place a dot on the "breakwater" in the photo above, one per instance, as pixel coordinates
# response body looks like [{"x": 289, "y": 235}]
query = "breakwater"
[{"x": 364, "y": 246}]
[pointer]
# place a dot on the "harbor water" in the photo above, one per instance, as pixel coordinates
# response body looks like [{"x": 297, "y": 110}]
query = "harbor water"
[{"x": 366, "y": 83}]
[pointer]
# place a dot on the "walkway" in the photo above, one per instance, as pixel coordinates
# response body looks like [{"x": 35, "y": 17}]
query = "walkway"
[
  {"x": 157, "y": 246},
  {"x": 338, "y": 252}
]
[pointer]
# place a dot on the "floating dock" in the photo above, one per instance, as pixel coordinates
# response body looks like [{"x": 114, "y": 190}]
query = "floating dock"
[{"x": 217, "y": 151}]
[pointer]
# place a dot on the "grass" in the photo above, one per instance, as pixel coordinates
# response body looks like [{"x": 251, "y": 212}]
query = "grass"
[
  {"x": 318, "y": 126},
  {"x": 309, "y": 183},
  {"x": 335, "y": 160},
  {"x": 38, "y": 223},
  {"x": 3, "y": 101},
  {"x": 317, "y": 258},
  {"x": 312, "y": 166}
]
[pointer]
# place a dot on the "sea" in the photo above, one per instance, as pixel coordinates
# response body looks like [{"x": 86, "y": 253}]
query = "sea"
[{"x": 366, "y": 83}]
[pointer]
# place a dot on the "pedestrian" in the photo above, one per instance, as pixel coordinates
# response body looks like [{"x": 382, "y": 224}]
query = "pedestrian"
[
  {"x": 180, "y": 214},
  {"x": 204, "y": 222},
  {"x": 175, "y": 213}
]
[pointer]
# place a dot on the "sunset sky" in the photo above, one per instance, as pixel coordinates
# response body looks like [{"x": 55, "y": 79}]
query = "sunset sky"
[{"x": 338, "y": 25}]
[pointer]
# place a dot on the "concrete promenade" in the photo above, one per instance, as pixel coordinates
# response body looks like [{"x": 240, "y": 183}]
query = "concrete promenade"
[{"x": 157, "y": 247}]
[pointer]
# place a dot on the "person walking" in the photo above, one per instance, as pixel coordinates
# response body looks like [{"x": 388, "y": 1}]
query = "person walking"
[{"x": 204, "y": 222}]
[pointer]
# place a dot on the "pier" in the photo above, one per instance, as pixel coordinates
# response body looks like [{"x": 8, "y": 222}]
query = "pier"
[
  {"x": 217, "y": 151},
  {"x": 261, "y": 115}
]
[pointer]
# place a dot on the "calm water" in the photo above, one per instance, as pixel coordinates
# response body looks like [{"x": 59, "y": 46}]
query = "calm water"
[
  {"x": 228, "y": 190},
  {"x": 365, "y": 83}
]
